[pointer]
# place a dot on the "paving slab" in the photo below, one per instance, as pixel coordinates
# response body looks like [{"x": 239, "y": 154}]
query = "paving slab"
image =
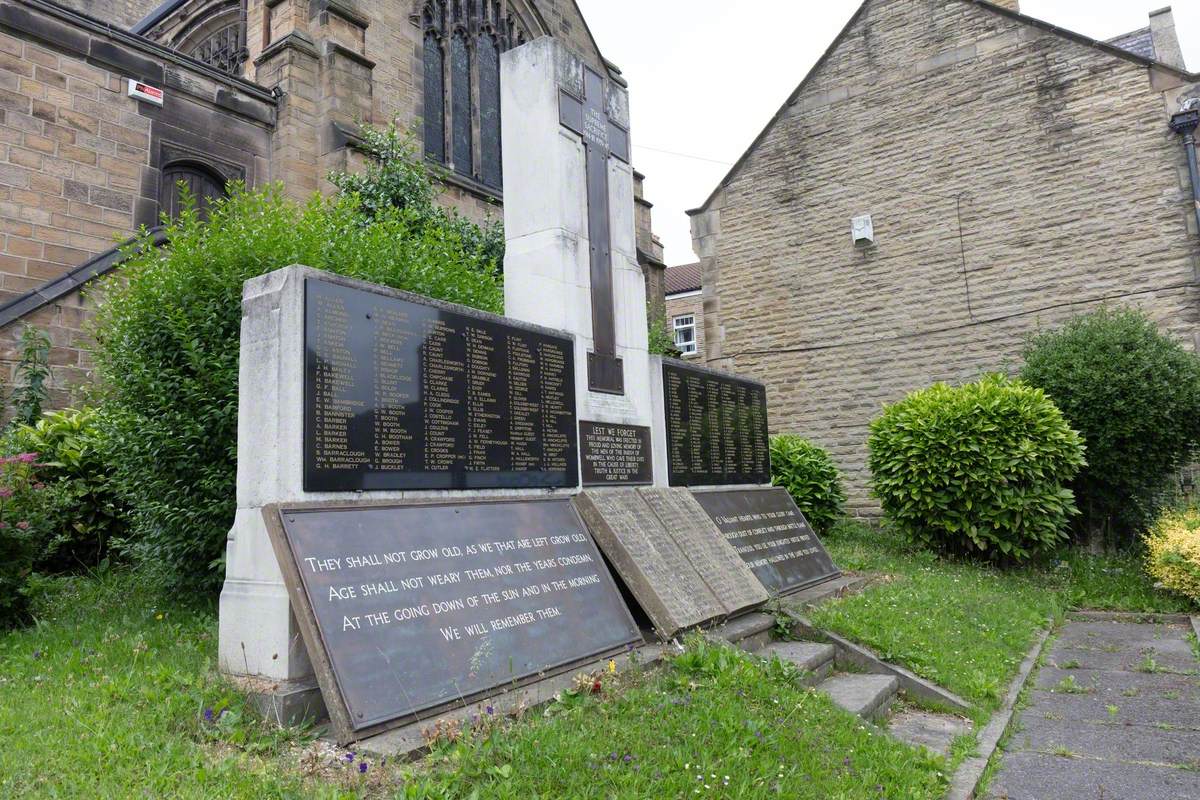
[
  {"x": 1114, "y": 741},
  {"x": 868, "y": 696},
  {"x": 934, "y": 732},
  {"x": 1100, "y": 725},
  {"x": 1036, "y": 776}
]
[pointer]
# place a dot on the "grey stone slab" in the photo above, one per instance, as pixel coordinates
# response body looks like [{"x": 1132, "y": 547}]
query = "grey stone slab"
[
  {"x": 808, "y": 656},
  {"x": 1107, "y": 654},
  {"x": 1094, "y": 707},
  {"x": 714, "y": 559},
  {"x": 1119, "y": 686},
  {"x": 1111, "y": 740},
  {"x": 867, "y": 696},
  {"x": 934, "y": 732},
  {"x": 1035, "y": 776},
  {"x": 648, "y": 559}
]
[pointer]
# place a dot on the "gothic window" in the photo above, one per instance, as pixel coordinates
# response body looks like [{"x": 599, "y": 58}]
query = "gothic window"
[
  {"x": 202, "y": 183},
  {"x": 216, "y": 35},
  {"x": 463, "y": 40}
]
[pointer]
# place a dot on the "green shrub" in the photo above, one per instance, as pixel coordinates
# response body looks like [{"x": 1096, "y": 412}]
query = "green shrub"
[
  {"x": 978, "y": 469},
  {"x": 1134, "y": 394},
  {"x": 810, "y": 477},
  {"x": 1173, "y": 553},
  {"x": 32, "y": 370},
  {"x": 24, "y": 526},
  {"x": 167, "y": 342},
  {"x": 84, "y": 513}
]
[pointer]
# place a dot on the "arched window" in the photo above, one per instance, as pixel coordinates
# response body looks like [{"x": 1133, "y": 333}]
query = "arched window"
[
  {"x": 463, "y": 40},
  {"x": 204, "y": 184},
  {"x": 216, "y": 35}
]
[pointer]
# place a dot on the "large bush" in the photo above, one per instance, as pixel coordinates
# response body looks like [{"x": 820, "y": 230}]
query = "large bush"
[
  {"x": 979, "y": 469},
  {"x": 1173, "y": 553},
  {"x": 167, "y": 347},
  {"x": 83, "y": 511},
  {"x": 810, "y": 477},
  {"x": 1134, "y": 394},
  {"x": 24, "y": 526}
]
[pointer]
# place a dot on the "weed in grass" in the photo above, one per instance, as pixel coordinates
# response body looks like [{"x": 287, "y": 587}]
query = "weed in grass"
[
  {"x": 1065, "y": 752},
  {"x": 1072, "y": 664},
  {"x": 1112, "y": 712},
  {"x": 1132, "y": 691},
  {"x": 1170, "y": 695},
  {"x": 1195, "y": 643},
  {"x": 1148, "y": 663}
]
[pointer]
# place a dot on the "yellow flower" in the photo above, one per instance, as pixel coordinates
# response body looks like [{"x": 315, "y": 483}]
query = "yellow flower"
[
  {"x": 158, "y": 616},
  {"x": 612, "y": 666}
]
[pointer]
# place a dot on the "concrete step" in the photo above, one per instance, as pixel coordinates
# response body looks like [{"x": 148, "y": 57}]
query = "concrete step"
[
  {"x": 868, "y": 696},
  {"x": 813, "y": 658}
]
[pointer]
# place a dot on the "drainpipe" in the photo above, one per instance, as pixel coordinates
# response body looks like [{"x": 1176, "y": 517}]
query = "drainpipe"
[{"x": 1186, "y": 122}]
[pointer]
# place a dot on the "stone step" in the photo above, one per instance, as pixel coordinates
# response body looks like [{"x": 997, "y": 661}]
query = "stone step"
[
  {"x": 868, "y": 696},
  {"x": 814, "y": 658}
]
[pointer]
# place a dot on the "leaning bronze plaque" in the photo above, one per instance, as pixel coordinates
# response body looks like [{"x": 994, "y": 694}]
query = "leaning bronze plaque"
[
  {"x": 771, "y": 534},
  {"x": 408, "y": 608}
]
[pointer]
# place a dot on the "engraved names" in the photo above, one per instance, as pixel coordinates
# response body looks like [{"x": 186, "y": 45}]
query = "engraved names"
[
  {"x": 408, "y": 395},
  {"x": 716, "y": 428}
]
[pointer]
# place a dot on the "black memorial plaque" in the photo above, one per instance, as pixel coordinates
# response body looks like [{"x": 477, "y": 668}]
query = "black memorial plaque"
[
  {"x": 406, "y": 608},
  {"x": 614, "y": 454},
  {"x": 716, "y": 428},
  {"x": 406, "y": 395},
  {"x": 771, "y": 534}
]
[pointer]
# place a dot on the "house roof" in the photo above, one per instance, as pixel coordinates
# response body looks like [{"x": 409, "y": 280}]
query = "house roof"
[
  {"x": 1107, "y": 47},
  {"x": 1139, "y": 42},
  {"x": 683, "y": 278}
]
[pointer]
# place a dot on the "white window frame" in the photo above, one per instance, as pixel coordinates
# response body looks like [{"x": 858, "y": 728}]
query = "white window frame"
[{"x": 688, "y": 348}]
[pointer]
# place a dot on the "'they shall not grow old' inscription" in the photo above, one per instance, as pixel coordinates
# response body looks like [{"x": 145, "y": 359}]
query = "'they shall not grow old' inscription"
[{"x": 405, "y": 608}]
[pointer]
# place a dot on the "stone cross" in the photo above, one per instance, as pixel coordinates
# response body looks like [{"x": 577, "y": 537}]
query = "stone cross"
[{"x": 602, "y": 138}]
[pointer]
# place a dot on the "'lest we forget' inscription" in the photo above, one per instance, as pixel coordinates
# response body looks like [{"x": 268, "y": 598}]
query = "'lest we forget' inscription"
[
  {"x": 405, "y": 608},
  {"x": 408, "y": 395}
]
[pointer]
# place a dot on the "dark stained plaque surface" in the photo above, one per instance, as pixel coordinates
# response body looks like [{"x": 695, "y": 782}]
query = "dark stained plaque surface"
[
  {"x": 716, "y": 428},
  {"x": 405, "y": 608},
  {"x": 614, "y": 454},
  {"x": 769, "y": 532},
  {"x": 407, "y": 395}
]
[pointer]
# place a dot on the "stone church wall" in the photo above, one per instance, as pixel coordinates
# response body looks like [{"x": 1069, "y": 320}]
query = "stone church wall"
[
  {"x": 80, "y": 161},
  {"x": 1015, "y": 178}
]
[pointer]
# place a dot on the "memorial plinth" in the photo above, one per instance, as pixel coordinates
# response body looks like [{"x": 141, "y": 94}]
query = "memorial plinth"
[{"x": 406, "y": 400}]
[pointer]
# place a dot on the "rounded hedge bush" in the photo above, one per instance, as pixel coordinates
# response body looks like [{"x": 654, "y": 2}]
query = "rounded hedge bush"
[
  {"x": 977, "y": 469},
  {"x": 810, "y": 477},
  {"x": 1173, "y": 553},
  {"x": 1134, "y": 395}
]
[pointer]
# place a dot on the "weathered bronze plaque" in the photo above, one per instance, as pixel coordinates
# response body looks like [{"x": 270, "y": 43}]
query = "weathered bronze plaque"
[
  {"x": 407, "y": 608},
  {"x": 716, "y": 427},
  {"x": 611, "y": 454},
  {"x": 400, "y": 394},
  {"x": 772, "y": 535}
]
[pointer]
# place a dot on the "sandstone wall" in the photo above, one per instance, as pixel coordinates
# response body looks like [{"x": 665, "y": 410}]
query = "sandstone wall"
[{"x": 1015, "y": 178}]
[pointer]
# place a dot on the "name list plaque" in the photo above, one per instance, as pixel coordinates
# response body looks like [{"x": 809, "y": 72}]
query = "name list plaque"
[
  {"x": 409, "y": 608},
  {"x": 716, "y": 428},
  {"x": 400, "y": 394},
  {"x": 771, "y": 535},
  {"x": 614, "y": 455}
]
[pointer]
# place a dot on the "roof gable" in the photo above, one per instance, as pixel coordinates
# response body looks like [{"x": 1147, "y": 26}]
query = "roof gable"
[{"x": 1105, "y": 47}]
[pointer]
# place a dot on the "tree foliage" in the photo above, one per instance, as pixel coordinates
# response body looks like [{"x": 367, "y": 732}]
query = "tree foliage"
[
  {"x": 167, "y": 346},
  {"x": 1134, "y": 394}
]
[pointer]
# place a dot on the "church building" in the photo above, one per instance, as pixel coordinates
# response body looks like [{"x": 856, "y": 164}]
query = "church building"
[
  {"x": 106, "y": 105},
  {"x": 951, "y": 176}
]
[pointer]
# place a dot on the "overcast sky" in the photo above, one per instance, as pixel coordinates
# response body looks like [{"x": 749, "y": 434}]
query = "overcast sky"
[{"x": 706, "y": 75}]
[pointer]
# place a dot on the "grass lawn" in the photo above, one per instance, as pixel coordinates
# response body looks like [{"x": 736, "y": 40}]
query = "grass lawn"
[
  {"x": 110, "y": 694},
  {"x": 966, "y": 626},
  {"x": 114, "y": 693}
]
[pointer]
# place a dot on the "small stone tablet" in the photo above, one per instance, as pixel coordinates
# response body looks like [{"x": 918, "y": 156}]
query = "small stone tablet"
[
  {"x": 719, "y": 565},
  {"x": 652, "y": 565}
]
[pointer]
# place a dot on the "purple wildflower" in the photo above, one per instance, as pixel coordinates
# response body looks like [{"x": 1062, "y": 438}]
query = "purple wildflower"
[
  {"x": 37, "y": 654},
  {"x": 208, "y": 715},
  {"x": 627, "y": 758},
  {"x": 612, "y": 756},
  {"x": 27, "y": 458},
  {"x": 362, "y": 768},
  {"x": 23, "y": 525},
  {"x": 490, "y": 710},
  {"x": 349, "y": 757}
]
